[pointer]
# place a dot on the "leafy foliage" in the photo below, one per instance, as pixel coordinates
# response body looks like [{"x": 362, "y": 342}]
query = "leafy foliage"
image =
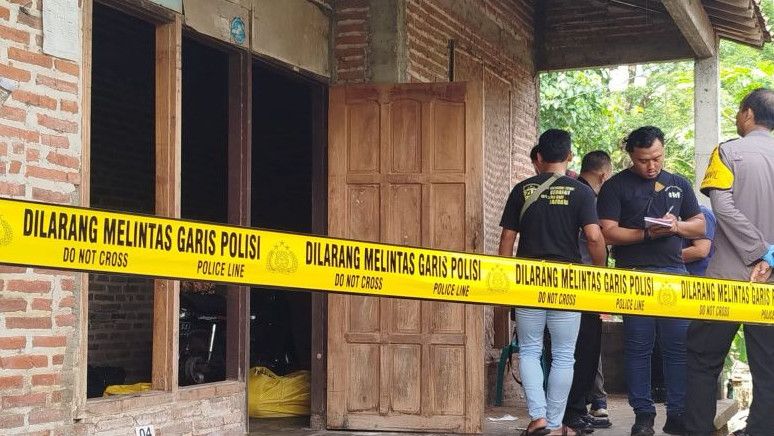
[{"x": 600, "y": 116}]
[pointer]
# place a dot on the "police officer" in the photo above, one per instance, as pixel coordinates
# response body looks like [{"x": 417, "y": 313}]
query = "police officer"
[{"x": 740, "y": 184}]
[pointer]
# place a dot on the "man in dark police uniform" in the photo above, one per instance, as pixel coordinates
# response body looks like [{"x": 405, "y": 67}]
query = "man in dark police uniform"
[
  {"x": 740, "y": 184},
  {"x": 646, "y": 190}
]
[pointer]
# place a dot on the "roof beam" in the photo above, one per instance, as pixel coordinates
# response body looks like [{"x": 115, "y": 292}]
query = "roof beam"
[{"x": 691, "y": 18}]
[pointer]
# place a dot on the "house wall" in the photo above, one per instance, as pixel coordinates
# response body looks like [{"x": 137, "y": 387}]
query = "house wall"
[{"x": 494, "y": 44}]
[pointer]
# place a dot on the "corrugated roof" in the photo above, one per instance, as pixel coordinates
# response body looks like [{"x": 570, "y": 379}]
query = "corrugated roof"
[{"x": 739, "y": 20}]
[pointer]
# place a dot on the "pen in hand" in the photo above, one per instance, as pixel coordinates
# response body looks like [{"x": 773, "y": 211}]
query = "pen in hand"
[{"x": 669, "y": 210}]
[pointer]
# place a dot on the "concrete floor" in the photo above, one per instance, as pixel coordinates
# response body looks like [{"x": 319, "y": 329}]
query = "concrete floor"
[{"x": 620, "y": 414}]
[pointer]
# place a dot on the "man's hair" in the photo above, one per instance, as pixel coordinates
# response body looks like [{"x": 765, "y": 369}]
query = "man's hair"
[
  {"x": 595, "y": 161},
  {"x": 533, "y": 154},
  {"x": 554, "y": 145},
  {"x": 644, "y": 137},
  {"x": 761, "y": 101}
]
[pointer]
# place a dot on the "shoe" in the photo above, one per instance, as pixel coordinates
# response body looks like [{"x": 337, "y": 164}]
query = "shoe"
[
  {"x": 674, "y": 424},
  {"x": 643, "y": 424},
  {"x": 599, "y": 413},
  {"x": 579, "y": 424},
  {"x": 597, "y": 422}
]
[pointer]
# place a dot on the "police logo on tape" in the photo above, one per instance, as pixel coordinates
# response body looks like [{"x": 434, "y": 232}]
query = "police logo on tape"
[
  {"x": 6, "y": 232},
  {"x": 282, "y": 259}
]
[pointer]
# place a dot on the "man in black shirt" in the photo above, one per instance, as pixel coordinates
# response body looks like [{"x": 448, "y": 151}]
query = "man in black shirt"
[
  {"x": 646, "y": 190},
  {"x": 596, "y": 169},
  {"x": 549, "y": 210}
]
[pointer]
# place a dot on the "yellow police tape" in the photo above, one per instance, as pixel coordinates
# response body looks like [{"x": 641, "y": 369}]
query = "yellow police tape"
[{"x": 35, "y": 234}]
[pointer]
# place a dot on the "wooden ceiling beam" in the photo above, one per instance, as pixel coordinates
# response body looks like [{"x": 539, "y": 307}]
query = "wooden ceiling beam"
[{"x": 693, "y": 22}]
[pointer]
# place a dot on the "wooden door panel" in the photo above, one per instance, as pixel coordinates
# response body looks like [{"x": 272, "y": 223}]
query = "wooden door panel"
[
  {"x": 363, "y": 143},
  {"x": 364, "y": 362},
  {"x": 405, "y": 218},
  {"x": 406, "y": 131},
  {"x": 404, "y": 168},
  {"x": 448, "y": 137},
  {"x": 405, "y": 383},
  {"x": 448, "y": 204},
  {"x": 406, "y": 316},
  {"x": 448, "y": 379}
]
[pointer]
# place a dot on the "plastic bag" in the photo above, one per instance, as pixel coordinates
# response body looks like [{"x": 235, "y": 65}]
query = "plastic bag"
[
  {"x": 273, "y": 396},
  {"x": 126, "y": 389}
]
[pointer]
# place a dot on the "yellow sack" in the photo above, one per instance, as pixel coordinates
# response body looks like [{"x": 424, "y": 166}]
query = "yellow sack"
[
  {"x": 273, "y": 396},
  {"x": 126, "y": 389}
]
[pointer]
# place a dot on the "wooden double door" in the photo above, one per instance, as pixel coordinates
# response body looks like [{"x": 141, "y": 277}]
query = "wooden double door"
[{"x": 405, "y": 168}]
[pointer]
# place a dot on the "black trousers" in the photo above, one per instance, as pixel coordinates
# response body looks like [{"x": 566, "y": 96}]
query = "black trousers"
[
  {"x": 587, "y": 350},
  {"x": 708, "y": 344}
]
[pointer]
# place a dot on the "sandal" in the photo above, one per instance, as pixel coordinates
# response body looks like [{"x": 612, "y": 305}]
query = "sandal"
[
  {"x": 539, "y": 431},
  {"x": 566, "y": 430}
]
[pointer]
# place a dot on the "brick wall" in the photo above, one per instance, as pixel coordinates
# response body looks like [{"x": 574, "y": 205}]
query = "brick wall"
[
  {"x": 40, "y": 150},
  {"x": 350, "y": 41},
  {"x": 40, "y": 159}
]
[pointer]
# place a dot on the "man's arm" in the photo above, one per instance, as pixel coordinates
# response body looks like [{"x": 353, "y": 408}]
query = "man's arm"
[
  {"x": 745, "y": 237},
  {"x": 507, "y": 239},
  {"x": 698, "y": 250},
  {"x": 616, "y": 235},
  {"x": 596, "y": 244}
]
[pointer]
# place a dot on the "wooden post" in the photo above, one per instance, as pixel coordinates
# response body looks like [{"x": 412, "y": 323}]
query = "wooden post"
[{"x": 166, "y": 297}]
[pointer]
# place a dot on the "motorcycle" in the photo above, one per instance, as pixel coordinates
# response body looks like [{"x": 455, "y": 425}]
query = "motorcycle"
[{"x": 202, "y": 338}]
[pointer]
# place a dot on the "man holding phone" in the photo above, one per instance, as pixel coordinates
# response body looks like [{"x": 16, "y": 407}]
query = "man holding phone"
[{"x": 643, "y": 191}]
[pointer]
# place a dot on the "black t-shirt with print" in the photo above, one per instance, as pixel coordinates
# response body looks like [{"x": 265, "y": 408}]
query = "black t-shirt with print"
[
  {"x": 629, "y": 198},
  {"x": 550, "y": 226}
]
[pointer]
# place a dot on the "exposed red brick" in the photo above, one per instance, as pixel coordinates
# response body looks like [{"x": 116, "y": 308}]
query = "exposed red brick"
[
  {"x": 29, "y": 57},
  {"x": 55, "y": 141},
  {"x": 50, "y": 196},
  {"x": 58, "y": 84},
  {"x": 42, "y": 416},
  {"x": 57, "y": 124},
  {"x": 12, "y": 189},
  {"x": 47, "y": 174},
  {"x": 67, "y": 302},
  {"x": 28, "y": 20},
  {"x": 12, "y": 342},
  {"x": 41, "y": 304},
  {"x": 67, "y": 67},
  {"x": 49, "y": 341},
  {"x": 3, "y": 148},
  {"x": 5, "y": 13},
  {"x": 45, "y": 379},
  {"x": 12, "y": 382},
  {"x": 68, "y": 284},
  {"x": 34, "y": 99},
  {"x": 57, "y": 359},
  {"x": 13, "y": 113},
  {"x": 26, "y": 400},
  {"x": 65, "y": 320},
  {"x": 12, "y": 305},
  {"x": 11, "y": 421},
  {"x": 5, "y": 269},
  {"x": 15, "y": 132},
  {"x": 24, "y": 361},
  {"x": 15, "y": 167},
  {"x": 19, "y": 36},
  {"x": 56, "y": 396},
  {"x": 64, "y": 160},
  {"x": 18, "y": 148},
  {"x": 36, "y": 286},
  {"x": 33, "y": 155},
  {"x": 28, "y": 322},
  {"x": 69, "y": 106}
]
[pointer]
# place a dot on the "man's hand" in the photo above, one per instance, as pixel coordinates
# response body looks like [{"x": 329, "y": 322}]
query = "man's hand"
[
  {"x": 663, "y": 231},
  {"x": 761, "y": 272}
]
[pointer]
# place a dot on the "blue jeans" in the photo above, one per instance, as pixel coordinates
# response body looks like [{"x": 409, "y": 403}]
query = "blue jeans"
[
  {"x": 563, "y": 327},
  {"x": 640, "y": 336}
]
